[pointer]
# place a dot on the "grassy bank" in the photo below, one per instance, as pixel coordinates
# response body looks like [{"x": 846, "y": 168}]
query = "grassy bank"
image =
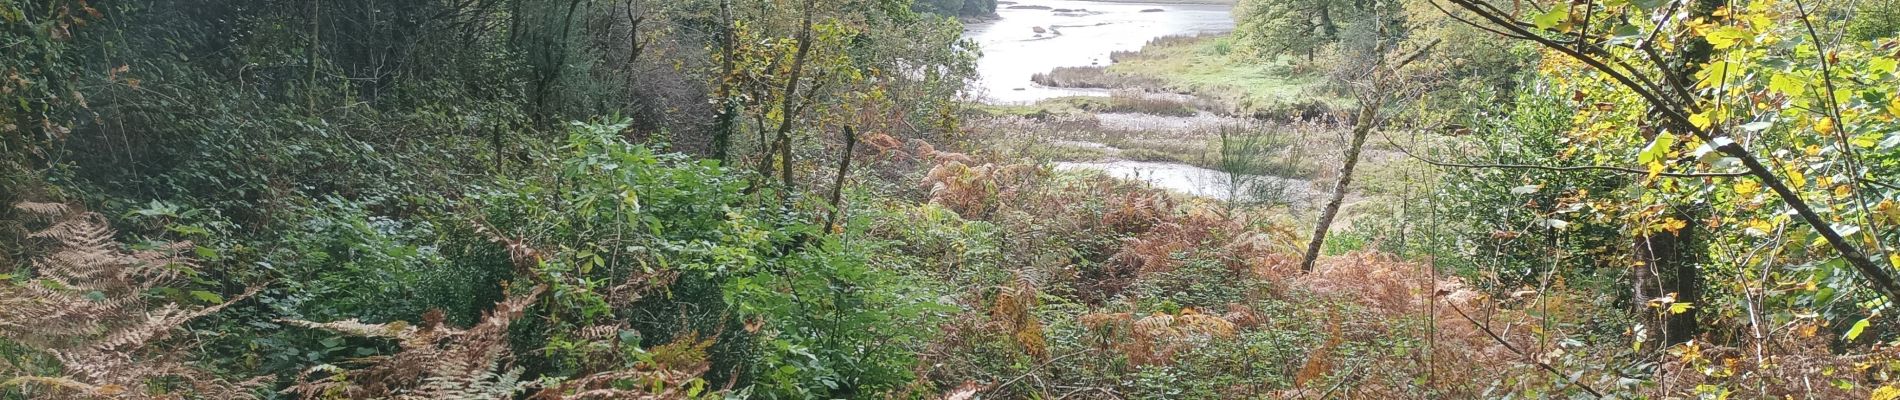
[{"x": 1208, "y": 67}]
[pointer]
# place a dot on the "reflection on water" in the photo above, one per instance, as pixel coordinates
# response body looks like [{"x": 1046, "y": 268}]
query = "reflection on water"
[
  {"x": 1201, "y": 182},
  {"x": 1074, "y": 33}
]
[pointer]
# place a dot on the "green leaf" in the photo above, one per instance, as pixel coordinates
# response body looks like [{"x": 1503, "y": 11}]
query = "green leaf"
[
  {"x": 205, "y": 252},
  {"x": 1882, "y": 65},
  {"x": 207, "y": 297},
  {"x": 1728, "y": 36},
  {"x": 1550, "y": 20},
  {"x": 1785, "y": 84},
  {"x": 1657, "y": 149},
  {"x": 1859, "y": 327},
  {"x": 1647, "y": 5}
]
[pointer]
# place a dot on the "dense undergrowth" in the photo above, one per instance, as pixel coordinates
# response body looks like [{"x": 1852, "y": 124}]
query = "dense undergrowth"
[{"x": 771, "y": 199}]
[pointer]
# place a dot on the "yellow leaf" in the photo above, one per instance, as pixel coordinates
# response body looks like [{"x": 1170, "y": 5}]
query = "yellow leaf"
[
  {"x": 1882, "y": 65},
  {"x": 1727, "y": 36},
  {"x": 1893, "y": 106},
  {"x": 1747, "y": 187},
  {"x": 1759, "y": 228},
  {"x": 1786, "y": 84},
  {"x": 1679, "y": 308},
  {"x": 1701, "y": 120},
  {"x": 1843, "y": 191},
  {"x": 1673, "y": 226},
  {"x": 1855, "y": 331},
  {"x": 1824, "y": 126},
  {"x": 1885, "y": 393}
]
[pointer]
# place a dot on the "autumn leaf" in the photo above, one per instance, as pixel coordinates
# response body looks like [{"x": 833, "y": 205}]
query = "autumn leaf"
[
  {"x": 1885, "y": 393},
  {"x": 1727, "y": 36},
  {"x": 1747, "y": 187},
  {"x": 1788, "y": 85}
]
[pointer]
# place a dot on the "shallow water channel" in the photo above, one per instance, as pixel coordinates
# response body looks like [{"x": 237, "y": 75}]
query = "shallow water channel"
[{"x": 1036, "y": 36}]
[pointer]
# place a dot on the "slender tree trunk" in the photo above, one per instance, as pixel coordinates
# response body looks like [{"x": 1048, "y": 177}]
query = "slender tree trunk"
[
  {"x": 837, "y": 187},
  {"x": 723, "y": 122},
  {"x": 1361, "y": 128},
  {"x": 788, "y": 107}
]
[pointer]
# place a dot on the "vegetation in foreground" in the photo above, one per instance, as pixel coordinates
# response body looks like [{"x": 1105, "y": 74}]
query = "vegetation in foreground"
[{"x": 786, "y": 200}]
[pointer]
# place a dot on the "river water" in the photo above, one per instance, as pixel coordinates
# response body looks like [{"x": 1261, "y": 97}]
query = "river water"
[
  {"x": 1036, "y": 36},
  {"x": 1075, "y": 33}
]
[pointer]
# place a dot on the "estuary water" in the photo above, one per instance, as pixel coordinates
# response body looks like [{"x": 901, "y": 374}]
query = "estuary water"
[{"x": 1074, "y": 33}]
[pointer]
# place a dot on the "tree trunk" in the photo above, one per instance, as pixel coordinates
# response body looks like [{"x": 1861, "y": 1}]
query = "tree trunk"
[
  {"x": 1667, "y": 260},
  {"x": 723, "y": 122},
  {"x": 1361, "y": 128},
  {"x": 788, "y": 108},
  {"x": 837, "y": 187}
]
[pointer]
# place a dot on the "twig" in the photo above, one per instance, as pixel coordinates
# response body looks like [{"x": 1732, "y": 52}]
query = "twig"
[
  {"x": 1533, "y": 360},
  {"x": 1033, "y": 371},
  {"x": 1408, "y": 153}
]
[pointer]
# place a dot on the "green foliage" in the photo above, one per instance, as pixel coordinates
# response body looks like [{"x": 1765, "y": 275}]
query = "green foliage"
[
  {"x": 1875, "y": 19},
  {"x": 345, "y": 263},
  {"x": 957, "y": 8},
  {"x": 1273, "y": 28},
  {"x": 798, "y": 314},
  {"x": 834, "y": 326},
  {"x": 1197, "y": 283}
]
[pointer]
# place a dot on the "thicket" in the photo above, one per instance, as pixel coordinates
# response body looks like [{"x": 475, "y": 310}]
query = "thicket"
[
  {"x": 362, "y": 199},
  {"x": 1689, "y": 191},
  {"x": 376, "y": 199}
]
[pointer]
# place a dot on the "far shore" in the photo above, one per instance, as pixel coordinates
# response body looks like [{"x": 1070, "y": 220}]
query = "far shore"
[
  {"x": 1168, "y": 2},
  {"x": 1157, "y": 2}
]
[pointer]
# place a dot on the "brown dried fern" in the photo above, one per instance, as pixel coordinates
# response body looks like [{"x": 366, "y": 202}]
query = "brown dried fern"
[
  {"x": 435, "y": 362},
  {"x": 85, "y": 304}
]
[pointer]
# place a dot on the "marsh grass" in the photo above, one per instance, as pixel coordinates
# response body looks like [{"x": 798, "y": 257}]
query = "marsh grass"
[
  {"x": 1091, "y": 77},
  {"x": 1207, "y": 66},
  {"x": 1118, "y": 102}
]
